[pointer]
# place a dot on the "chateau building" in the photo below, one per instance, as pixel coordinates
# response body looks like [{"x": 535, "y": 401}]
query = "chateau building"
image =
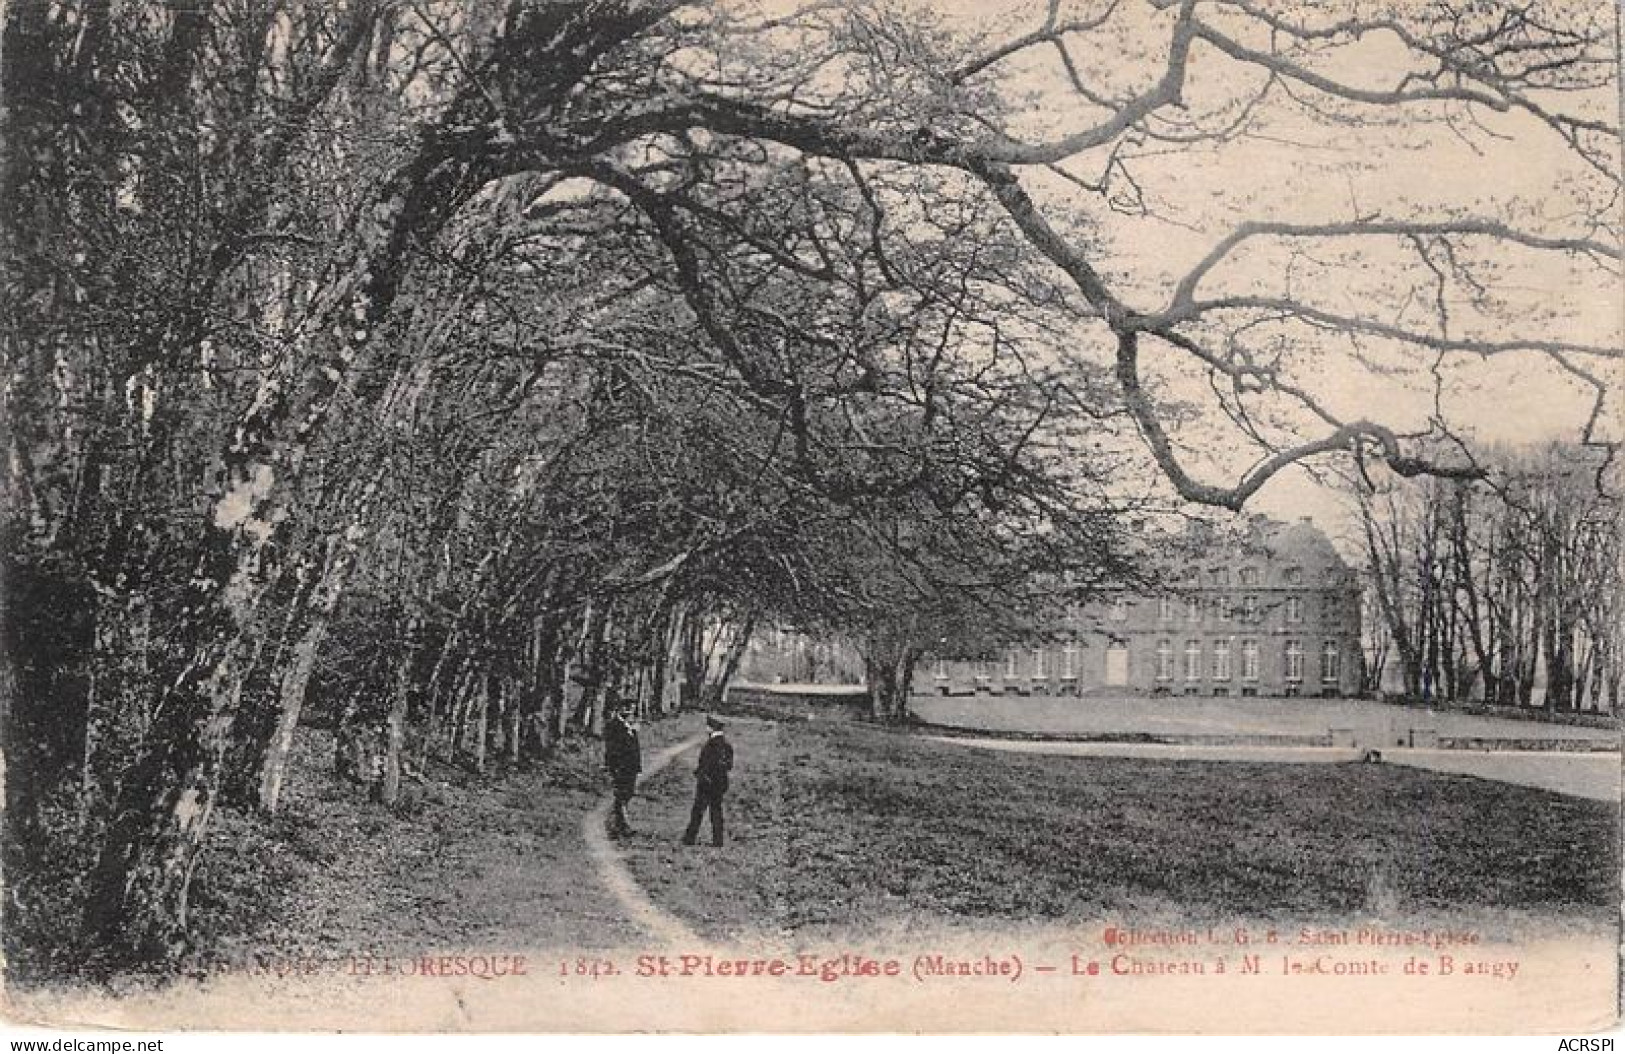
[{"x": 1276, "y": 615}]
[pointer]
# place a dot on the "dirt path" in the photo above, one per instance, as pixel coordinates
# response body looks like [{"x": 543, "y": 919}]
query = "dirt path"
[
  {"x": 612, "y": 869},
  {"x": 1158, "y": 751},
  {"x": 1591, "y": 775},
  {"x": 1372, "y": 723}
]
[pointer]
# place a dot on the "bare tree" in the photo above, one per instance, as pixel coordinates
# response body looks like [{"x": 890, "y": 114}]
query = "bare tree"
[
  {"x": 782, "y": 282},
  {"x": 1493, "y": 589}
]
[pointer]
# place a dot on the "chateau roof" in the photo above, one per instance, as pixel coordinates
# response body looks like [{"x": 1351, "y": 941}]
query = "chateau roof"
[
  {"x": 1278, "y": 553},
  {"x": 1304, "y": 544},
  {"x": 1300, "y": 544}
]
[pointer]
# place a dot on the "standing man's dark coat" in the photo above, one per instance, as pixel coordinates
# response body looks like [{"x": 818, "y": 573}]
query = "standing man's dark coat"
[
  {"x": 710, "y": 783},
  {"x": 623, "y": 757}
]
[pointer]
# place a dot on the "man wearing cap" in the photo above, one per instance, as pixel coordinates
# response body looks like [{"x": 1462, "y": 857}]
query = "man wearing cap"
[
  {"x": 623, "y": 757},
  {"x": 710, "y": 782}
]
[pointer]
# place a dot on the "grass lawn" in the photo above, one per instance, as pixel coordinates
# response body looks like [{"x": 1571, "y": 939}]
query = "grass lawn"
[{"x": 841, "y": 829}]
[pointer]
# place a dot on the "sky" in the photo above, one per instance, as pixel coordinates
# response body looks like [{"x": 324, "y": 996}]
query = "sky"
[{"x": 1297, "y": 166}]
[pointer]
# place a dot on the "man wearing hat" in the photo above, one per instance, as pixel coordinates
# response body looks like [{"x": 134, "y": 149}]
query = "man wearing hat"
[
  {"x": 623, "y": 757},
  {"x": 710, "y": 782}
]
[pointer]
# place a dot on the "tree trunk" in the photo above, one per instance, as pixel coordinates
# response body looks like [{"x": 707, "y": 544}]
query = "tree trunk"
[
  {"x": 482, "y": 726},
  {"x": 136, "y": 896},
  {"x": 717, "y": 691},
  {"x": 890, "y": 676},
  {"x": 691, "y": 649},
  {"x": 888, "y": 661},
  {"x": 115, "y": 719},
  {"x": 513, "y": 720},
  {"x": 395, "y": 735},
  {"x": 295, "y": 680},
  {"x": 548, "y": 686},
  {"x": 1560, "y": 670}
]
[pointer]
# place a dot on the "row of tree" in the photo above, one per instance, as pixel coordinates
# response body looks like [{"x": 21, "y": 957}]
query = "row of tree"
[
  {"x": 324, "y": 406},
  {"x": 1504, "y": 591},
  {"x": 438, "y": 369}
]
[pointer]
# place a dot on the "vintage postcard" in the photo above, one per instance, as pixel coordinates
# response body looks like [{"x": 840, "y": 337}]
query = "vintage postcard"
[{"x": 904, "y": 516}]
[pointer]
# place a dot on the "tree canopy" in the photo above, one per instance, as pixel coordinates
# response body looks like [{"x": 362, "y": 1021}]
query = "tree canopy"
[{"x": 452, "y": 365}]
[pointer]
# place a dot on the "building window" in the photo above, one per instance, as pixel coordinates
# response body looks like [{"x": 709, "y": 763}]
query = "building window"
[
  {"x": 941, "y": 670},
  {"x": 1249, "y": 660},
  {"x": 1221, "y": 576},
  {"x": 1294, "y": 609},
  {"x": 1165, "y": 660},
  {"x": 1069, "y": 661},
  {"x": 1193, "y": 660},
  {"x": 1039, "y": 672},
  {"x": 1012, "y": 665},
  {"x": 1292, "y": 576},
  {"x": 984, "y": 670},
  {"x": 1249, "y": 576},
  {"x": 1165, "y": 609},
  {"x": 1119, "y": 609},
  {"x": 1193, "y": 610},
  {"x": 1294, "y": 661},
  {"x": 1221, "y": 660},
  {"x": 1249, "y": 608},
  {"x": 1331, "y": 662},
  {"x": 1328, "y": 607}
]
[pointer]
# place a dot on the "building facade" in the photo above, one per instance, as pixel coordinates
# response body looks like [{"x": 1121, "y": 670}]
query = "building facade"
[{"x": 1278, "y": 615}]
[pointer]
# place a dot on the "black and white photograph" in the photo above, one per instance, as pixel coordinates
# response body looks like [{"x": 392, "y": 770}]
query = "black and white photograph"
[{"x": 811, "y": 517}]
